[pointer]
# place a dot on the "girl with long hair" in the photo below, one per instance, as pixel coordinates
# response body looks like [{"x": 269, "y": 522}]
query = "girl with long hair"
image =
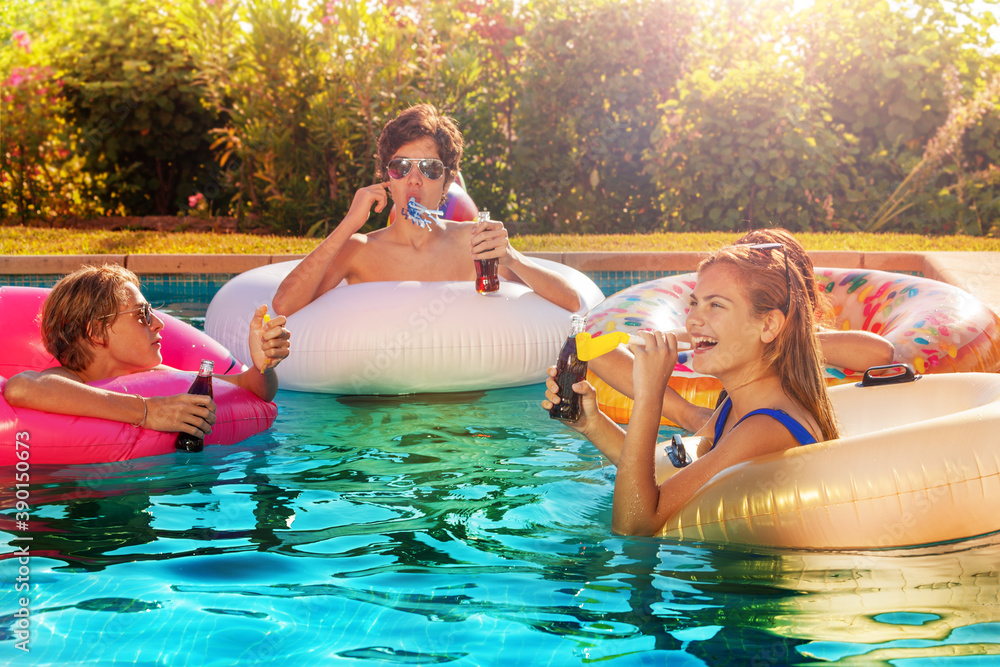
[
  {"x": 856, "y": 349},
  {"x": 751, "y": 324}
]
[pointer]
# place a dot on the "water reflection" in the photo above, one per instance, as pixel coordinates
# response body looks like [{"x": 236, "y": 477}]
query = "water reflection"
[
  {"x": 877, "y": 603},
  {"x": 883, "y": 606},
  {"x": 467, "y": 527}
]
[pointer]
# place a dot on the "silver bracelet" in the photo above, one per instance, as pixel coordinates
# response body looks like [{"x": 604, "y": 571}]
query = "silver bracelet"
[{"x": 145, "y": 411}]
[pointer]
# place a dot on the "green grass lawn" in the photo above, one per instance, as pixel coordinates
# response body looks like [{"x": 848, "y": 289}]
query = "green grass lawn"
[{"x": 43, "y": 241}]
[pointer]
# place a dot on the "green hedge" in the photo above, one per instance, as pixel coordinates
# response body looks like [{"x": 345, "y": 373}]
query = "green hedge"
[{"x": 581, "y": 116}]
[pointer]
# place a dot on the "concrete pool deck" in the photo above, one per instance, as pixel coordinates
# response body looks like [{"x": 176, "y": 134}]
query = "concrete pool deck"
[{"x": 976, "y": 272}]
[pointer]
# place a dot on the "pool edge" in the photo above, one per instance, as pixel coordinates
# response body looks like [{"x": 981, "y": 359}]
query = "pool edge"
[{"x": 975, "y": 272}]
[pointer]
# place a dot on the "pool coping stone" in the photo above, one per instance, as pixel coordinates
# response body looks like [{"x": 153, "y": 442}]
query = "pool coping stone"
[{"x": 976, "y": 272}]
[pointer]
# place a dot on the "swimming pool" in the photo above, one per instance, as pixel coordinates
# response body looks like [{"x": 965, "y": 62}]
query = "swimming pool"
[{"x": 460, "y": 529}]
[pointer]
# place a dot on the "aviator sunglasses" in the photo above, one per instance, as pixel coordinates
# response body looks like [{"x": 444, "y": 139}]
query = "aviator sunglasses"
[
  {"x": 145, "y": 314},
  {"x": 788, "y": 282},
  {"x": 430, "y": 167}
]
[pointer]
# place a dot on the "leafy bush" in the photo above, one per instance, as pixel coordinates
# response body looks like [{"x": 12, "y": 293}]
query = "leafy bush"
[
  {"x": 580, "y": 116},
  {"x": 749, "y": 147},
  {"x": 130, "y": 94},
  {"x": 595, "y": 73},
  {"x": 811, "y": 119},
  {"x": 943, "y": 160},
  {"x": 891, "y": 73},
  {"x": 261, "y": 81},
  {"x": 306, "y": 91}
]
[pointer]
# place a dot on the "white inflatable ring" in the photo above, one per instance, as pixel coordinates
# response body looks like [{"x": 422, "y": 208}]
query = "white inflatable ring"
[{"x": 405, "y": 337}]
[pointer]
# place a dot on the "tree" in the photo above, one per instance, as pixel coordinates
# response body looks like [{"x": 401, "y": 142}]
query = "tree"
[
  {"x": 129, "y": 83},
  {"x": 595, "y": 75},
  {"x": 811, "y": 118},
  {"x": 892, "y": 71}
]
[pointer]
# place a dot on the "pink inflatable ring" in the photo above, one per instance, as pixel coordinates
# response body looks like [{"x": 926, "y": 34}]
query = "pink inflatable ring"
[{"x": 45, "y": 438}]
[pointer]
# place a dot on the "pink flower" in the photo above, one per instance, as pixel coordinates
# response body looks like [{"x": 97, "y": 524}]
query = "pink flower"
[
  {"x": 21, "y": 39},
  {"x": 195, "y": 199},
  {"x": 17, "y": 77},
  {"x": 330, "y": 16}
]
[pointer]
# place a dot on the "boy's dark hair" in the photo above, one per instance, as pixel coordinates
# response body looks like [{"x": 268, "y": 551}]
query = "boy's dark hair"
[{"x": 417, "y": 122}]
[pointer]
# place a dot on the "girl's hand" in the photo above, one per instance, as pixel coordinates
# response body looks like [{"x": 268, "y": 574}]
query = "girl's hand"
[
  {"x": 186, "y": 413},
  {"x": 590, "y": 412},
  {"x": 654, "y": 363},
  {"x": 268, "y": 340}
]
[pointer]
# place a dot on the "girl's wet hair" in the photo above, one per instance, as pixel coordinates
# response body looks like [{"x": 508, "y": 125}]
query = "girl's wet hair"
[
  {"x": 798, "y": 258},
  {"x": 794, "y": 354}
]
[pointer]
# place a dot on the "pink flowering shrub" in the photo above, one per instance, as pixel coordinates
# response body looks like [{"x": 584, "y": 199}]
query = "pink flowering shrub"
[
  {"x": 21, "y": 38},
  {"x": 41, "y": 175}
]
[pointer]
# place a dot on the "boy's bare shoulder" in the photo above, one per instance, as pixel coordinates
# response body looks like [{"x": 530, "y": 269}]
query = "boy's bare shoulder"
[
  {"x": 361, "y": 243},
  {"x": 33, "y": 376},
  {"x": 456, "y": 227},
  {"x": 61, "y": 371}
]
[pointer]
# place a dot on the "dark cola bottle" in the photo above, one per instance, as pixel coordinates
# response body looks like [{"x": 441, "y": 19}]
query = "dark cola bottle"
[
  {"x": 569, "y": 371},
  {"x": 487, "y": 270},
  {"x": 202, "y": 386}
]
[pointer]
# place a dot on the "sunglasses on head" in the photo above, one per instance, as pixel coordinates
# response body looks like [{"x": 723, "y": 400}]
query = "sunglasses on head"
[
  {"x": 788, "y": 282},
  {"x": 430, "y": 167},
  {"x": 145, "y": 314}
]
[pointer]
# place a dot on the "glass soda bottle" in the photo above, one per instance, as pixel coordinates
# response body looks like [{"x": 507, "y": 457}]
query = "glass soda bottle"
[
  {"x": 569, "y": 371},
  {"x": 202, "y": 386},
  {"x": 487, "y": 280}
]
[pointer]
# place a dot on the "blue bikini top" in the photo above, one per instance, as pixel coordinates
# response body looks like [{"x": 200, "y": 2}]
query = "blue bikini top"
[{"x": 797, "y": 430}]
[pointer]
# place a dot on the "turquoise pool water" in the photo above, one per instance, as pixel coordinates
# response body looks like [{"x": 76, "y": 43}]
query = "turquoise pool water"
[{"x": 459, "y": 529}]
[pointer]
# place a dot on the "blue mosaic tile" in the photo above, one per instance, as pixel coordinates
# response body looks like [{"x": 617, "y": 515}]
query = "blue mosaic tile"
[
  {"x": 611, "y": 282},
  {"x": 196, "y": 285},
  {"x": 201, "y": 287},
  {"x": 10, "y": 280}
]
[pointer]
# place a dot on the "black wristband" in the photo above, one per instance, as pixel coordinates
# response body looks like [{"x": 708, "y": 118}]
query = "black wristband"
[{"x": 677, "y": 453}]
